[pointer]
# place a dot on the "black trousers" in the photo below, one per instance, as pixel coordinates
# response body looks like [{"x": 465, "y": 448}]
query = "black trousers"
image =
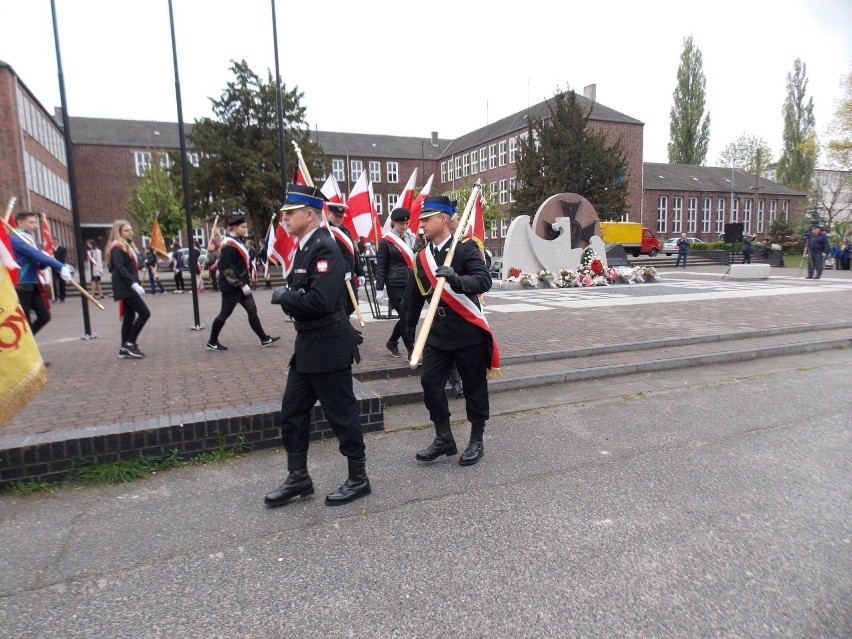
[
  {"x": 472, "y": 368},
  {"x": 229, "y": 303},
  {"x": 396, "y": 297},
  {"x": 136, "y": 313},
  {"x": 335, "y": 394},
  {"x": 179, "y": 285},
  {"x": 33, "y": 301}
]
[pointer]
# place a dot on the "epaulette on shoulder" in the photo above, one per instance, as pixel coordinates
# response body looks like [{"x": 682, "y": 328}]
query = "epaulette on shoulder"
[{"x": 479, "y": 243}]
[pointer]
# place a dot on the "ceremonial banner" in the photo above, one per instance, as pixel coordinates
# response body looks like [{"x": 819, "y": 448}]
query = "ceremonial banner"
[
  {"x": 361, "y": 208},
  {"x": 404, "y": 201},
  {"x": 46, "y": 239},
  {"x": 22, "y": 371},
  {"x": 417, "y": 205},
  {"x": 157, "y": 242}
]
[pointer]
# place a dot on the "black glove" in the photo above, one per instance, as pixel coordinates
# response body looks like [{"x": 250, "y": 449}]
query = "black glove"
[
  {"x": 449, "y": 274},
  {"x": 278, "y": 294},
  {"x": 359, "y": 336}
]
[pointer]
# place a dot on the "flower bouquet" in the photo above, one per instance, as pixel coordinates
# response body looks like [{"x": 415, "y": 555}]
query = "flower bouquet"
[
  {"x": 567, "y": 278},
  {"x": 529, "y": 279},
  {"x": 546, "y": 279},
  {"x": 649, "y": 273}
]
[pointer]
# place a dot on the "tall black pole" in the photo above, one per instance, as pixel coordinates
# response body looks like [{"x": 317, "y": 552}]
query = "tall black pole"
[
  {"x": 72, "y": 182},
  {"x": 279, "y": 106},
  {"x": 184, "y": 170}
]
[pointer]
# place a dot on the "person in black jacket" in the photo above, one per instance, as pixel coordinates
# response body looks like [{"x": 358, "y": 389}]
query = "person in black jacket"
[
  {"x": 816, "y": 249},
  {"x": 459, "y": 334},
  {"x": 393, "y": 262},
  {"x": 233, "y": 268},
  {"x": 60, "y": 253},
  {"x": 153, "y": 271},
  {"x": 348, "y": 248},
  {"x": 326, "y": 345},
  {"x": 123, "y": 261}
]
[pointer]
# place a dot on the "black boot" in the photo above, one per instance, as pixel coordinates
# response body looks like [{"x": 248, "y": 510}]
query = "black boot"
[
  {"x": 358, "y": 485},
  {"x": 298, "y": 483},
  {"x": 444, "y": 444},
  {"x": 475, "y": 448}
]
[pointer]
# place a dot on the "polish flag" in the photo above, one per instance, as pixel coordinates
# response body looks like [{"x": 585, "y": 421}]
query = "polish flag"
[
  {"x": 46, "y": 239},
  {"x": 362, "y": 211},
  {"x": 299, "y": 176},
  {"x": 7, "y": 254},
  {"x": 405, "y": 199},
  {"x": 331, "y": 190},
  {"x": 283, "y": 247},
  {"x": 417, "y": 205},
  {"x": 476, "y": 224}
]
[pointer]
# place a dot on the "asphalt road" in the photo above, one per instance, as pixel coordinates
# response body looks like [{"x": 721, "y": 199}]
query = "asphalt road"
[{"x": 718, "y": 509}]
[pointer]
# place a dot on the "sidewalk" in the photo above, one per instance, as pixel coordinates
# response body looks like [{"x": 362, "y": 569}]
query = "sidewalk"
[{"x": 180, "y": 382}]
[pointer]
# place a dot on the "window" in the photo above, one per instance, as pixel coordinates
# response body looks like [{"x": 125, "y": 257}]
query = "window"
[
  {"x": 761, "y": 208},
  {"x": 193, "y": 158},
  {"x": 677, "y": 214},
  {"x": 785, "y": 210},
  {"x": 504, "y": 195},
  {"x": 735, "y": 210},
  {"x": 512, "y": 182},
  {"x": 393, "y": 172},
  {"x": 474, "y": 162},
  {"x": 443, "y": 172},
  {"x": 142, "y": 160},
  {"x": 706, "y": 208},
  {"x": 504, "y": 227},
  {"x": 492, "y": 229},
  {"x": 693, "y": 214},
  {"x": 165, "y": 161},
  {"x": 773, "y": 211},
  {"x": 392, "y": 200},
  {"x": 720, "y": 216},
  {"x": 502, "y": 153},
  {"x": 513, "y": 149},
  {"x": 356, "y": 168},
  {"x": 483, "y": 158},
  {"x": 377, "y": 198},
  {"x": 747, "y": 216},
  {"x": 338, "y": 170},
  {"x": 375, "y": 171},
  {"x": 662, "y": 214},
  {"x": 492, "y": 190},
  {"x": 465, "y": 164},
  {"x": 492, "y": 156},
  {"x": 458, "y": 168}
]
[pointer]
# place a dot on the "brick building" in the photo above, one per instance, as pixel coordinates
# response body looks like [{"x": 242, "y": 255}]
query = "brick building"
[{"x": 33, "y": 165}]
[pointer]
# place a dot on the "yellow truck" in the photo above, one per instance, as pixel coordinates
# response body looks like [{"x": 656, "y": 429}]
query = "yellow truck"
[{"x": 634, "y": 237}]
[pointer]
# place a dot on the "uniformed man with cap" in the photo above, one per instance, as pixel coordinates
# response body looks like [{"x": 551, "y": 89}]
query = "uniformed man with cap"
[
  {"x": 459, "y": 334},
  {"x": 348, "y": 248},
  {"x": 393, "y": 265},
  {"x": 234, "y": 269},
  {"x": 326, "y": 345}
]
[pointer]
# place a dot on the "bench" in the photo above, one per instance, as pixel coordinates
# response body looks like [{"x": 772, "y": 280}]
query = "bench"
[{"x": 749, "y": 271}]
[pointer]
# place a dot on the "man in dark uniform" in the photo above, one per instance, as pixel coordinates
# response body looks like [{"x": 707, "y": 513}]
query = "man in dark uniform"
[
  {"x": 234, "y": 269},
  {"x": 326, "y": 346},
  {"x": 394, "y": 258},
  {"x": 459, "y": 334},
  {"x": 816, "y": 249},
  {"x": 348, "y": 248}
]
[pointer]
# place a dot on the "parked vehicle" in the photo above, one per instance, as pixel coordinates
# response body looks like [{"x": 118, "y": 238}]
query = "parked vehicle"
[
  {"x": 635, "y": 238},
  {"x": 496, "y": 267},
  {"x": 164, "y": 264},
  {"x": 670, "y": 245}
]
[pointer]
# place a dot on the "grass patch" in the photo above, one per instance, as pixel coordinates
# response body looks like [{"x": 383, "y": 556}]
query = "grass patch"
[
  {"x": 115, "y": 472},
  {"x": 28, "y": 487}
]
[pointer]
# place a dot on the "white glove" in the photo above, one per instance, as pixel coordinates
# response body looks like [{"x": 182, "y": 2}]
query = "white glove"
[
  {"x": 347, "y": 276},
  {"x": 246, "y": 289},
  {"x": 136, "y": 287},
  {"x": 65, "y": 273},
  {"x": 380, "y": 297},
  {"x": 361, "y": 281}
]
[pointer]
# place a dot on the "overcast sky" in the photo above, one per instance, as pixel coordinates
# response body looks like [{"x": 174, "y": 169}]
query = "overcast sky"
[{"x": 382, "y": 66}]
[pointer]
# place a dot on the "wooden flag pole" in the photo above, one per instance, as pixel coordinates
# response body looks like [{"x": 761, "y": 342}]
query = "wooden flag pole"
[
  {"x": 83, "y": 291},
  {"x": 9, "y": 208},
  {"x": 310, "y": 182},
  {"x": 420, "y": 344}
]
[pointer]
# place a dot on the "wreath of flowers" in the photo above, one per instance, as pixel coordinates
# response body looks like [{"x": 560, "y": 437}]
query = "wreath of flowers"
[{"x": 590, "y": 273}]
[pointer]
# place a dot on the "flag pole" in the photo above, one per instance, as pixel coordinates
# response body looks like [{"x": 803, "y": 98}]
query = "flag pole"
[
  {"x": 310, "y": 182},
  {"x": 9, "y": 207}
]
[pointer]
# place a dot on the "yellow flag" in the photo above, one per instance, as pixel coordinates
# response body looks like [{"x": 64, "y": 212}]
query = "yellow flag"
[
  {"x": 22, "y": 371},
  {"x": 157, "y": 241}
]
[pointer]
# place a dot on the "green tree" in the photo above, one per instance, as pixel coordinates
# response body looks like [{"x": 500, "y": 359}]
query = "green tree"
[
  {"x": 562, "y": 154},
  {"x": 490, "y": 211},
  {"x": 689, "y": 128},
  {"x": 240, "y": 167},
  {"x": 748, "y": 152},
  {"x": 781, "y": 228},
  {"x": 840, "y": 129},
  {"x": 799, "y": 148},
  {"x": 156, "y": 194}
]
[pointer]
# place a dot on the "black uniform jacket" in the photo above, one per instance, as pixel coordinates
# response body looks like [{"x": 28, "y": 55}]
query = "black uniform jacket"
[
  {"x": 124, "y": 273},
  {"x": 451, "y": 331},
  {"x": 325, "y": 340},
  {"x": 391, "y": 267},
  {"x": 353, "y": 260},
  {"x": 233, "y": 273}
]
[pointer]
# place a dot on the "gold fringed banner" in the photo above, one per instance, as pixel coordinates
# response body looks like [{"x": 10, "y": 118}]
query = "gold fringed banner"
[{"x": 494, "y": 373}]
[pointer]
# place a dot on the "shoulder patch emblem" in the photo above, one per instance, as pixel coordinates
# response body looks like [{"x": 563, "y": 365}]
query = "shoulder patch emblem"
[{"x": 322, "y": 266}]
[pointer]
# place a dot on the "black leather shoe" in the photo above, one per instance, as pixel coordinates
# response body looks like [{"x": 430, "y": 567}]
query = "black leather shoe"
[
  {"x": 438, "y": 447},
  {"x": 351, "y": 490},
  {"x": 472, "y": 454},
  {"x": 298, "y": 484}
]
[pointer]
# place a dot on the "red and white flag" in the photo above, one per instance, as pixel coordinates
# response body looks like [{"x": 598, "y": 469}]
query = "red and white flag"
[
  {"x": 331, "y": 190},
  {"x": 46, "y": 239},
  {"x": 405, "y": 199},
  {"x": 7, "y": 254},
  {"x": 283, "y": 247},
  {"x": 299, "y": 176},
  {"x": 417, "y": 205},
  {"x": 476, "y": 224},
  {"x": 362, "y": 210}
]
